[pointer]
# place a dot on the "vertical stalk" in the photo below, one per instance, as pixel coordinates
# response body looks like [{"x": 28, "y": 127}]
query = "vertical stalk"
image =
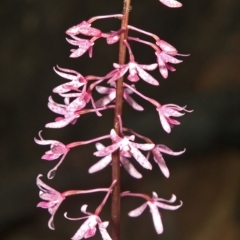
[{"x": 115, "y": 210}]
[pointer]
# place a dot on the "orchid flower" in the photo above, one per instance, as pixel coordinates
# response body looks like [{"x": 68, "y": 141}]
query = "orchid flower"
[
  {"x": 170, "y": 110},
  {"x": 88, "y": 228},
  {"x": 57, "y": 149},
  {"x": 83, "y": 46},
  {"x": 135, "y": 70},
  {"x": 154, "y": 203},
  {"x": 52, "y": 198},
  {"x": 126, "y": 144},
  {"x": 76, "y": 80},
  {"x": 166, "y": 54},
  {"x": 68, "y": 116},
  {"x": 158, "y": 158}
]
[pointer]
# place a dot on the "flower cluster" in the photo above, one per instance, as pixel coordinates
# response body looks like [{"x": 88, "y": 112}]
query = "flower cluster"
[{"x": 77, "y": 99}]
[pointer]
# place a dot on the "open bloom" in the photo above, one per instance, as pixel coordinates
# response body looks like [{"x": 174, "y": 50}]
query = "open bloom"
[
  {"x": 62, "y": 109},
  {"x": 111, "y": 95},
  {"x": 135, "y": 71},
  {"x": 83, "y": 46},
  {"x": 52, "y": 199},
  {"x": 158, "y": 158},
  {"x": 163, "y": 59},
  {"x": 127, "y": 146},
  {"x": 171, "y": 3},
  {"x": 165, "y": 55},
  {"x": 57, "y": 149},
  {"x": 88, "y": 228},
  {"x": 154, "y": 203},
  {"x": 102, "y": 163},
  {"x": 76, "y": 80},
  {"x": 167, "y": 111}
]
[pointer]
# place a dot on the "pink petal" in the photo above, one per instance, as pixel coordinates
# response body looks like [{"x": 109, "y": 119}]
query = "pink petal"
[
  {"x": 164, "y": 123},
  {"x": 138, "y": 211},
  {"x": 45, "y": 142},
  {"x": 105, "y": 100},
  {"x": 130, "y": 168},
  {"x": 166, "y": 47},
  {"x": 113, "y": 39},
  {"x": 140, "y": 158},
  {"x": 99, "y": 146},
  {"x": 72, "y": 77},
  {"x": 165, "y": 149},
  {"x": 51, "y": 157},
  {"x": 163, "y": 71},
  {"x": 43, "y": 205},
  {"x": 87, "y": 229},
  {"x": 149, "y": 67},
  {"x": 43, "y": 186},
  {"x": 132, "y": 102},
  {"x": 147, "y": 77},
  {"x": 103, "y": 231},
  {"x": 114, "y": 136},
  {"x": 61, "y": 123},
  {"x": 77, "y": 104},
  {"x": 168, "y": 207},
  {"x": 157, "y": 156},
  {"x": 78, "y": 52},
  {"x": 85, "y": 29},
  {"x": 143, "y": 146},
  {"x": 168, "y": 58},
  {"x": 171, "y": 200},
  {"x": 100, "y": 164},
  {"x": 104, "y": 90},
  {"x": 156, "y": 217},
  {"x": 171, "y": 3},
  {"x": 56, "y": 108},
  {"x": 107, "y": 150}
]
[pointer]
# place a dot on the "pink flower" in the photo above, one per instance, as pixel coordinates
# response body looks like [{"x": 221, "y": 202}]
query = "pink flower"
[
  {"x": 126, "y": 146},
  {"x": 135, "y": 71},
  {"x": 163, "y": 59},
  {"x": 158, "y": 158},
  {"x": 111, "y": 95},
  {"x": 57, "y": 149},
  {"x": 88, "y": 228},
  {"x": 76, "y": 80},
  {"x": 83, "y": 46},
  {"x": 167, "y": 111},
  {"x": 102, "y": 163},
  {"x": 166, "y": 55},
  {"x": 52, "y": 198},
  {"x": 68, "y": 116},
  {"x": 85, "y": 29},
  {"x": 171, "y": 3},
  {"x": 154, "y": 203}
]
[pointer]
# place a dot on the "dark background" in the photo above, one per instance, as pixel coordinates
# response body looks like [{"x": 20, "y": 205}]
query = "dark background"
[{"x": 206, "y": 177}]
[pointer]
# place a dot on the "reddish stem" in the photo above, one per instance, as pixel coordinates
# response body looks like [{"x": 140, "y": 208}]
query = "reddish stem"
[{"x": 115, "y": 211}]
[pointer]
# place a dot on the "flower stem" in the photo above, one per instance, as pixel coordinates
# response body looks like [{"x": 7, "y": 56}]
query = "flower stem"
[{"x": 115, "y": 211}]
